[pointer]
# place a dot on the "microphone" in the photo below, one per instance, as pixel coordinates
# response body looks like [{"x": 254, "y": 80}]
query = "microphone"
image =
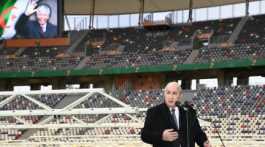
[
  {"x": 186, "y": 105},
  {"x": 178, "y": 104}
]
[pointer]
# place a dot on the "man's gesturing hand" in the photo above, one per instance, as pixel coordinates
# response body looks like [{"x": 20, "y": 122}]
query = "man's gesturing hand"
[
  {"x": 31, "y": 8},
  {"x": 169, "y": 135}
]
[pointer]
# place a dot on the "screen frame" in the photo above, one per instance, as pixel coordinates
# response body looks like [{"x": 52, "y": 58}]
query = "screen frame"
[{"x": 59, "y": 18}]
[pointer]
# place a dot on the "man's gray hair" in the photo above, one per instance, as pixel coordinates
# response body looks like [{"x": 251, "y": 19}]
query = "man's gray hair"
[
  {"x": 175, "y": 84},
  {"x": 44, "y": 8}
]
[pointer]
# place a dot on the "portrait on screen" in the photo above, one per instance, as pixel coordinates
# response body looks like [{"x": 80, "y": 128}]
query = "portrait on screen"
[{"x": 28, "y": 19}]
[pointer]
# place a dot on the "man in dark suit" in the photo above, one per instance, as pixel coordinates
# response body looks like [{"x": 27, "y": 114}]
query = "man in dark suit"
[
  {"x": 166, "y": 125},
  {"x": 39, "y": 28}
]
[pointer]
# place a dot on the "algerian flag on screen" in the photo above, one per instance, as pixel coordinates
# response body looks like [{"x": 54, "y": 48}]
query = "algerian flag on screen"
[{"x": 10, "y": 11}]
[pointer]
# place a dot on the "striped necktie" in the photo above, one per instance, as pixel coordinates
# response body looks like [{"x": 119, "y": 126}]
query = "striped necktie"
[{"x": 174, "y": 117}]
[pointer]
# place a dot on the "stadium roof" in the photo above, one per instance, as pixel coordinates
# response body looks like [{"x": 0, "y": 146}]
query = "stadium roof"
[{"x": 108, "y": 7}]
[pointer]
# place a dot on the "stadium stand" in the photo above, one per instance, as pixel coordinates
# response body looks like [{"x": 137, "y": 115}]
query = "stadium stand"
[
  {"x": 137, "y": 46},
  {"x": 251, "y": 51},
  {"x": 253, "y": 31},
  {"x": 236, "y": 112},
  {"x": 37, "y": 64},
  {"x": 233, "y": 110}
]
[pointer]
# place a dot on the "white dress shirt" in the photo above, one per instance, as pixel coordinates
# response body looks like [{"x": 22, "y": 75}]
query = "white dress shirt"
[{"x": 43, "y": 27}]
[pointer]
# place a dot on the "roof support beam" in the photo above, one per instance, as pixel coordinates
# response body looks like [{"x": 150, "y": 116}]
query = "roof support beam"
[
  {"x": 190, "y": 11},
  {"x": 92, "y": 14},
  {"x": 247, "y": 8},
  {"x": 141, "y": 13}
]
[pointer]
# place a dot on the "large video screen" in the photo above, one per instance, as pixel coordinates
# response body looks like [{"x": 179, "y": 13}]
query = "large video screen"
[{"x": 28, "y": 19}]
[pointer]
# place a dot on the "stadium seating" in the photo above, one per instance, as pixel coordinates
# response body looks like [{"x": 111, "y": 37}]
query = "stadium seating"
[
  {"x": 234, "y": 112},
  {"x": 134, "y": 60},
  {"x": 134, "y": 47},
  {"x": 37, "y": 64},
  {"x": 253, "y": 31},
  {"x": 251, "y": 51}
]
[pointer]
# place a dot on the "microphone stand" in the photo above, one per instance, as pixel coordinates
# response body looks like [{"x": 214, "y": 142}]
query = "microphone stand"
[
  {"x": 215, "y": 127},
  {"x": 186, "y": 109},
  {"x": 188, "y": 126}
]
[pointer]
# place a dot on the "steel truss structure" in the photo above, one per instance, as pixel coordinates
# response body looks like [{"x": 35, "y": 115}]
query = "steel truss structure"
[{"x": 69, "y": 110}]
